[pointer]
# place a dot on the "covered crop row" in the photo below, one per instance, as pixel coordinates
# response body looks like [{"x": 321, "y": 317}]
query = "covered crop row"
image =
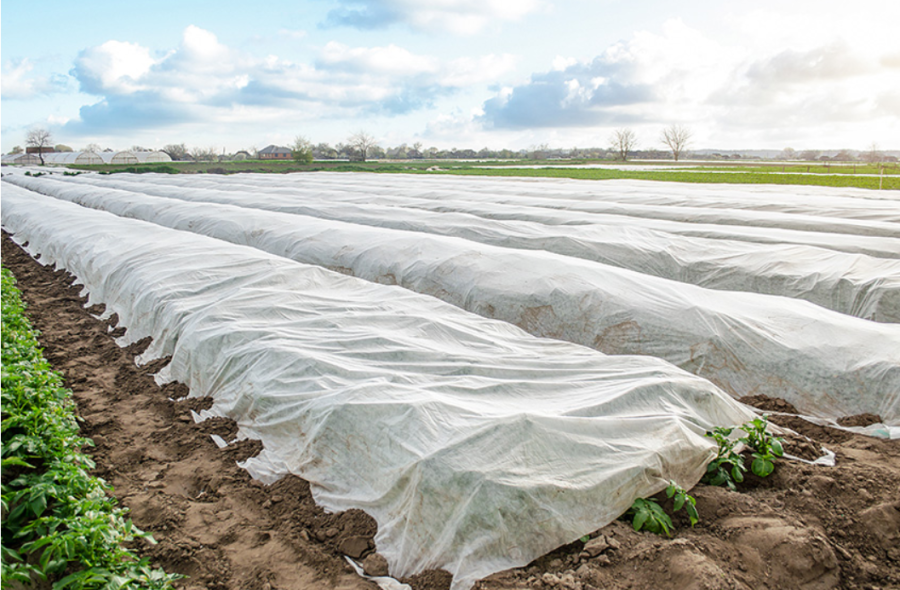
[
  {"x": 474, "y": 445},
  {"x": 485, "y": 199},
  {"x": 825, "y": 363},
  {"x": 854, "y": 284}
]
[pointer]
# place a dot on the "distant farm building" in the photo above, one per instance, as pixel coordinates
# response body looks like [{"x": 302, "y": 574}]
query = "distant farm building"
[
  {"x": 274, "y": 152},
  {"x": 86, "y": 158},
  {"x": 119, "y": 157},
  {"x": 22, "y": 159},
  {"x": 62, "y": 158},
  {"x": 152, "y": 157}
]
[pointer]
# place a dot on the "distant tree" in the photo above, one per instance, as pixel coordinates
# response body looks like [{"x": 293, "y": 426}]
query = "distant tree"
[
  {"x": 872, "y": 155},
  {"x": 416, "y": 151},
  {"x": 302, "y": 150},
  {"x": 176, "y": 151},
  {"x": 41, "y": 139},
  {"x": 788, "y": 153},
  {"x": 140, "y": 148},
  {"x": 401, "y": 152},
  {"x": 843, "y": 156},
  {"x": 810, "y": 155},
  {"x": 324, "y": 151},
  {"x": 94, "y": 148},
  {"x": 538, "y": 152},
  {"x": 16, "y": 150},
  {"x": 60, "y": 147},
  {"x": 362, "y": 142},
  {"x": 623, "y": 141},
  {"x": 203, "y": 154},
  {"x": 676, "y": 137}
]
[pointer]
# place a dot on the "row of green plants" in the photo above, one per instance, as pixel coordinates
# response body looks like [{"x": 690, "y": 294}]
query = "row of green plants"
[
  {"x": 727, "y": 469},
  {"x": 696, "y": 176},
  {"x": 60, "y": 526}
]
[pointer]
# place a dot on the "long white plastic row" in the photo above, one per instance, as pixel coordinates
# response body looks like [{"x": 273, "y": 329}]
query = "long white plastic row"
[
  {"x": 479, "y": 197},
  {"x": 475, "y": 446},
  {"x": 854, "y": 284},
  {"x": 827, "y": 364}
]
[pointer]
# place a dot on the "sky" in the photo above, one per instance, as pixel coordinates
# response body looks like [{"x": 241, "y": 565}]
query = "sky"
[{"x": 452, "y": 73}]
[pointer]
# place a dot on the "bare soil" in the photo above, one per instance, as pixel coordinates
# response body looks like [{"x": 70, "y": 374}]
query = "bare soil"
[{"x": 806, "y": 526}]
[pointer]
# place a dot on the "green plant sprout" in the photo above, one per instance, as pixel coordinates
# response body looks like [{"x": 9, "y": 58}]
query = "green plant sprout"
[
  {"x": 649, "y": 515},
  {"x": 765, "y": 446},
  {"x": 728, "y": 466},
  {"x": 684, "y": 500}
]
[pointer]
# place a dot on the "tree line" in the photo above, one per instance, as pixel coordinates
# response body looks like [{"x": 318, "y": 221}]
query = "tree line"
[{"x": 622, "y": 144}]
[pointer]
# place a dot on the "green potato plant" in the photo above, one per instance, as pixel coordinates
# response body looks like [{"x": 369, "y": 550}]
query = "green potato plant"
[
  {"x": 682, "y": 499},
  {"x": 59, "y": 524},
  {"x": 647, "y": 514},
  {"x": 765, "y": 446},
  {"x": 728, "y": 467}
]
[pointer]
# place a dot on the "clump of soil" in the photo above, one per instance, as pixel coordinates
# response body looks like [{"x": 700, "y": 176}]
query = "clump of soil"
[{"x": 805, "y": 526}]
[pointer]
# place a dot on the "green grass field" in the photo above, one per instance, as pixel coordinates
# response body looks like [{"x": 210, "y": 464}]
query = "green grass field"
[{"x": 815, "y": 174}]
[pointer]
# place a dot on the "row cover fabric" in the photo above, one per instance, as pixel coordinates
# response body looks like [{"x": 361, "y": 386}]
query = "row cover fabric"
[
  {"x": 825, "y": 363},
  {"x": 475, "y": 446},
  {"x": 470, "y": 195},
  {"x": 854, "y": 284}
]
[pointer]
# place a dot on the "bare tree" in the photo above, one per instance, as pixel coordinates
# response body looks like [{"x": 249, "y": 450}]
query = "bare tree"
[
  {"x": 203, "y": 154},
  {"x": 623, "y": 141},
  {"x": 41, "y": 139},
  {"x": 94, "y": 148},
  {"x": 676, "y": 137},
  {"x": 873, "y": 155},
  {"x": 362, "y": 142},
  {"x": 176, "y": 151},
  {"x": 810, "y": 155}
]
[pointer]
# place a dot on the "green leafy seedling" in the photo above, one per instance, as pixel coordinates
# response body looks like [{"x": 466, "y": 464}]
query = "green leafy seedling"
[
  {"x": 728, "y": 466},
  {"x": 649, "y": 515},
  {"x": 765, "y": 446},
  {"x": 684, "y": 500}
]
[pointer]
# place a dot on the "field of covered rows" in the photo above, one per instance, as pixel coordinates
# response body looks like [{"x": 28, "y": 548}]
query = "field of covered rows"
[{"x": 491, "y": 368}]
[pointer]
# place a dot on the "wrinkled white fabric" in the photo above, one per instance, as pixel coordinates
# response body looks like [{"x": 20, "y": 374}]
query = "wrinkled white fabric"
[
  {"x": 475, "y": 446},
  {"x": 854, "y": 284},
  {"x": 514, "y": 199},
  {"x": 825, "y": 363}
]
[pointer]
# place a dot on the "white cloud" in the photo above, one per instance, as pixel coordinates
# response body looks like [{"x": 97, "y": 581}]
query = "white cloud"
[
  {"x": 390, "y": 60},
  {"x": 203, "y": 80},
  {"x": 682, "y": 75},
  {"x": 461, "y": 17},
  {"x": 20, "y": 84},
  {"x": 292, "y": 34},
  {"x": 115, "y": 66}
]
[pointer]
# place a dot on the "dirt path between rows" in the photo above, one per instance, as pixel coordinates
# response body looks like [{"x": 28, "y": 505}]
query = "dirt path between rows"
[{"x": 806, "y": 526}]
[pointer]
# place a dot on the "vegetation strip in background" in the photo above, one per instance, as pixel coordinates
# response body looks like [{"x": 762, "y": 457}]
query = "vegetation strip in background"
[
  {"x": 59, "y": 523},
  {"x": 868, "y": 177}
]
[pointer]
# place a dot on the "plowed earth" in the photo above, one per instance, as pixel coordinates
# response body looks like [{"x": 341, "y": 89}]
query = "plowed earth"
[{"x": 805, "y": 526}]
